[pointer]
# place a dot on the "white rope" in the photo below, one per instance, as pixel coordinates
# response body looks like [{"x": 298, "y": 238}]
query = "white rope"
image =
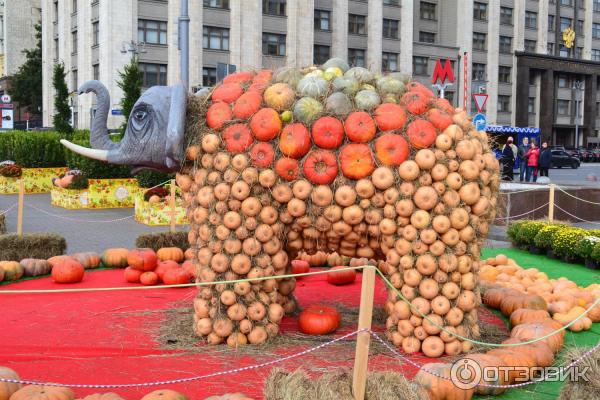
[
  {"x": 160, "y": 184},
  {"x": 520, "y": 215},
  {"x": 78, "y": 220},
  {"x": 523, "y": 191},
  {"x": 8, "y": 209},
  {"x": 576, "y": 217},
  {"x": 577, "y": 198}
]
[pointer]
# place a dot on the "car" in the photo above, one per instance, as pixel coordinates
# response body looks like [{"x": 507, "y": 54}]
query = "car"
[
  {"x": 586, "y": 155},
  {"x": 572, "y": 151},
  {"x": 560, "y": 158},
  {"x": 595, "y": 154}
]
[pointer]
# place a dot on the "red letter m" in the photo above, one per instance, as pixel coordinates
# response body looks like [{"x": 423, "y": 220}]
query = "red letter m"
[{"x": 440, "y": 73}]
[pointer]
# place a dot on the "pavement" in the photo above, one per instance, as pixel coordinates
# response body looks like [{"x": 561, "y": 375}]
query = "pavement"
[{"x": 577, "y": 177}]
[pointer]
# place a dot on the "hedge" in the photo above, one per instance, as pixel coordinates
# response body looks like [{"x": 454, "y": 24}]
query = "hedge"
[
  {"x": 31, "y": 245},
  {"x": 30, "y": 149},
  {"x": 149, "y": 179},
  {"x": 2, "y": 224}
]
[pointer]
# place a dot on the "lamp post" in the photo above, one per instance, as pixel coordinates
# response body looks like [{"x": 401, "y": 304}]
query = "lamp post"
[
  {"x": 184, "y": 43},
  {"x": 578, "y": 90}
]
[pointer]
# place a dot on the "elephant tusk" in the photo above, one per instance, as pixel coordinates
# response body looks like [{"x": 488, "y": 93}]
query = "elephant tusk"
[{"x": 100, "y": 155}]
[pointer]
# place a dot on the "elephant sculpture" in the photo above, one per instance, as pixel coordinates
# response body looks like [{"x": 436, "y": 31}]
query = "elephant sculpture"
[{"x": 327, "y": 158}]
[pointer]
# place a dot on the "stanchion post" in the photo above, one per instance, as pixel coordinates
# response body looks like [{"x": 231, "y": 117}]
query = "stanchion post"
[
  {"x": 551, "y": 204},
  {"x": 21, "y": 204},
  {"x": 173, "y": 205},
  {"x": 365, "y": 317}
]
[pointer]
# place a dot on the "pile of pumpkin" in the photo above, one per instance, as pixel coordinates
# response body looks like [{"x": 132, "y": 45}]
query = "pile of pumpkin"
[
  {"x": 335, "y": 159},
  {"x": 15, "y": 391},
  {"x": 565, "y": 300}
]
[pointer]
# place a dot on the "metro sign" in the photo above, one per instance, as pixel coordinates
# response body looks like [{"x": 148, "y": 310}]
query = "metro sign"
[{"x": 441, "y": 74}]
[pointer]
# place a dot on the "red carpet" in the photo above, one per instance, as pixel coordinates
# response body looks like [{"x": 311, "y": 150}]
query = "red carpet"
[{"x": 109, "y": 338}]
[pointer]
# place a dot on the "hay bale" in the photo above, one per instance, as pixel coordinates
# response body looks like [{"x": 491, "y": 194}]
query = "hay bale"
[
  {"x": 31, "y": 245},
  {"x": 2, "y": 224},
  {"x": 337, "y": 385},
  {"x": 156, "y": 241},
  {"x": 585, "y": 389}
]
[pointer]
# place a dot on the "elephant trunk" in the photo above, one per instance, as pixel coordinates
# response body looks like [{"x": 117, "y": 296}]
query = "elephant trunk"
[{"x": 99, "y": 138}]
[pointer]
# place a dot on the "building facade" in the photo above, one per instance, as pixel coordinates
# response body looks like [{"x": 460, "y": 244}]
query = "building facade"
[
  {"x": 17, "y": 32},
  {"x": 503, "y": 47}
]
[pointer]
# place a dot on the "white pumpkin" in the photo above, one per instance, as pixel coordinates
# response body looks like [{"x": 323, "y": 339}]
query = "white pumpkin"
[
  {"x": 313, "y": 86},
  {"x": 361, "y": 74},
  {"x": 338, "y": 104},
  {"x": 367, "y": 100},
  {"x": 307, "y": 109}
]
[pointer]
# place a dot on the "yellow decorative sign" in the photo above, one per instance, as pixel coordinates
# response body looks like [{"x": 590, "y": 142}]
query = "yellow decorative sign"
[
  {"x": 71, "y": 199},
  {"x": 37, "y": 180},
  {"x": 101, "y": 193},
  {"x": 568, "y": 37},
  {"x": 154, "y": 214}
]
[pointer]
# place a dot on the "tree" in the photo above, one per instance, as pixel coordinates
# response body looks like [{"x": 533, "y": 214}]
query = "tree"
[
  {"x": 131, "y": 84},
  {"x": 26, "y": 83},
  {"x": 62, "y": 111}
]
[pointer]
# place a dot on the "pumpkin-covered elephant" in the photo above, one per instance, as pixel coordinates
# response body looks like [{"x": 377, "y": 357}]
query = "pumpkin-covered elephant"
[{"x": 326, "y": 158}]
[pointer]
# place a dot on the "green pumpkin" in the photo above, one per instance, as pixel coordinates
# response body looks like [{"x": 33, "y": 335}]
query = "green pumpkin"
[
  {"x": 307, "y": 109},
  {"x": 367, "y": 100},
  {"x": 12, "y": 270},
  {"x": 346, "y": 84},
  {"x": 338, "y": 104},
  {"x": 313, "y": 86},
  {"x": 336, "y": 63},
  {"x": 389, "y": 85},
  {"x": 361, "y": 74},
  {"x": 35, "y": 267}
]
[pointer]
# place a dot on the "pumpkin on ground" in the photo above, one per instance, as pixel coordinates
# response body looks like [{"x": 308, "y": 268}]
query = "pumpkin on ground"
[
  {"x": 229, "y": 396},
  {"x": 300, "y": 267},
  {"x": 12, "y": 270},
  {"x": 319, "y": 320},
  {"x": 142, "y": 259},
  {"x": 89, "y": 260},
  {"x": 341, "y": 277},
  {"x": 115, "y": 258},
  {"x": 435, "y": 378},
  {"x": 132, "y": 275},
  {"x": 148, "y": 278},
  {"x": 68, "y": 271},
  {"x": 102, "y": 396},
  {"x": 176, "y": 276},
  {"x": 37, "y": 392},
  {"x": 170, "y": 253},
  {"x": 35, "y": 267},
  {"x": 8, "y": 388},
  {"x": 165, "y": 394}
]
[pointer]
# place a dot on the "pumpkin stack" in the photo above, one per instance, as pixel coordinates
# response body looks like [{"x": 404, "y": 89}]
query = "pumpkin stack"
[{"x": 335, "y": 159}]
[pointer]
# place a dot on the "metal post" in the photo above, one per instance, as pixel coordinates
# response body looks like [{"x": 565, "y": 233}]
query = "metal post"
[
  {"x": 184, "y": 43},
  {"x": 578, "y": 88}
]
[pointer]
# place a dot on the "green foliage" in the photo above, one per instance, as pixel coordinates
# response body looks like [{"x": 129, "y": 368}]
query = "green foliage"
[
  {"x": 26, "y": 83},
  {"x": 31, "y": 245},
  {"x": 156, "y": 241},
  {"x": 513, "y": 230},
  {"x": 595, "y": 255},
  {"x": 585, "y": 246},
  {"x": 565, "y": 239},
  {"x": 2, "y": 224},
  {"x": 79, "y": 182},
  {"x": 61, "y": 101},
  {"x": 93, "y": 169},
  {"x": 527, "y": 232},
  {"x": 32, "y": 149},
  {"x": 149, "y": 179},
  {"x": 131, "y": 80},
  {"x": 545, "y": 236}
]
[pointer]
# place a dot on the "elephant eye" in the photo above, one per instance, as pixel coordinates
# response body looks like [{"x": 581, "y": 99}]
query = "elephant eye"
[{"x": 140, "y": 115}]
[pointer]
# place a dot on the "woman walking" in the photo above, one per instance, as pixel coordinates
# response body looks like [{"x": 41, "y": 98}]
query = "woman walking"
[
  {"x": 508, "y": 160},
  {"x": 532, "y": 156},
  {"x": 545, "y": 159}
]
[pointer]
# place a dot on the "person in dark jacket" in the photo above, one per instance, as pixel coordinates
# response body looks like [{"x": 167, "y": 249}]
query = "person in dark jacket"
[
  {"x": 545, "y": 159},
  {"x": 508, "y": 160},
  {"x": 522, "y": 155}
]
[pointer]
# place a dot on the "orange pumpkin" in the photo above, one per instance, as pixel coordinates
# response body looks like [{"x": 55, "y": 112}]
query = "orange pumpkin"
[
  {"x": 486, "y": 361},
  {"x": 247, "y": 105},
  {"x": 294, "y": 140},
  {"x": 391, "y": 149},
  {"x": 115, "y": 258},
  {"x": 12, "y": 270},
  {"x": 165, "y": 394},
  {"x": 319, "y": 320},
  {"x": 239, "y": 77},
  {"x": 217, "y": 115},
  {"x": 142, "y": 259},
  {"x": 280, "y": 96},
  {"x": 416, "y": 103},
  {"x": 176, "y": 276},
  {"x": 266, "y": 124},
  {"x": 530, "y": 331},
  {"x": 435, "y": 379},
  {"x": 418, "y": 87},
  {"x": 439, "y": 118},
  {"x": 262, "y": 155},
  {"x": 103, "y": 396},
  {"x": 148, "y": 278},
  {"x": 328, "y": 133},
  {"x": 360, "y": 127},
  {"x": 512, "y": 357},
  {"x": 287, "y": 168},
  {"x": 190, "y": 268},
  {"x": 390, "y": 116},
  {"x": 238, "y": 138},
  {"x": 8, "y": 388},
  {"x": 37, "y": 392},
  {"x": 227, "y": 92},
  {"x": 170, "y": 253},
  {"x": 526, "y": 315},
  {"x": 320, "y": 167},
  {"x": 68, "y": 271},
  {"x": 89, "y": 260},
  {"x": 132, "y": 275},
  {"x": 356, "y": 161},
  {"x": 164, "y": 266},
  {"x": 421, "y": 134}
]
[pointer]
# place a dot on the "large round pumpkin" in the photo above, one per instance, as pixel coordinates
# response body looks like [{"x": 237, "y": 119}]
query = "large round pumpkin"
[
  {"x": 265, "y": 124},
  {"x": 37, "y": 392},
  {"x": 142, "y": 259},
  {"x": 341, "y": 277},
  {"x": 35, "y": 267},
  {"x": 391, "y": 149},
  {"x": 279, "y": 96},
  {"x": 421, "y": 134},
  {"x": 356, "y": 161},
  {"x": 227, "y": 92},
  {"x": 8, "y": 388},
  {"x": 328, "y": 133},
  {"x": 132, "y": 275},
  {"x": 319, "y": 320},
  {"x": 170, "y": 253},
  {"x": 360, "y": 127},
  {"x": 294, "y": 141},
  {"x": 165, "y": 394},
  {"x": 218, "y": 114},
  {"x": 307, "y": 110},
  {"x": 247, "y": 105},
  {"x": 238, "y": 138},
  {"x": 12, "y": 270},
  {"x": 390, "y": 116},
  {"x": 176, "y": 276},
  {"x": 435, "y": 378},
  {"x": 115, "y": 258},
  {"x": 320, "y": 167},
  {"x": 89, "y": 260},
  {"x": 68, "y": 271},
  {"x": 164, "y": 266}
]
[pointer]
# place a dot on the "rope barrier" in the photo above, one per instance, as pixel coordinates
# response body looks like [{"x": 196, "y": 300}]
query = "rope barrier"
[
  {"x": 521, "y": 215},
  {"x": 577, "y": 198},
  {"x": 575, "y": 216},
  {"x": 522, "y": 191},
  {"x": 76, "y": 219},
  {"x": 8, "y": 209}
]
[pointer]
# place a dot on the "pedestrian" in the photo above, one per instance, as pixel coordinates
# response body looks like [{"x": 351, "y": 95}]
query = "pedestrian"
[
  {"x": 521, "y": 155},
  {"x": 545, "y": 160},
  {"x": 508, "y": 160},
  {"x": 533, "y": 156}
]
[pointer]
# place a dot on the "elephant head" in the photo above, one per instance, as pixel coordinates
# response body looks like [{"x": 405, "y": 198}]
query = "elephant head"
[{"x": 155, "y": 129}]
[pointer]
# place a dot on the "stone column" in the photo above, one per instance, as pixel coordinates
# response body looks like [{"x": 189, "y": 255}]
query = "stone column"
[
  {"x": 547, "y": 96},
  {"x": 518, "y": 45},
  {"x": 245, "y": 35},
  {"x": 589, "y": 107},
  {"x": 521, "y": 92},
  {"x": 588, "y": 19},
  {"x": 464, "y": 41},
  {"x": 339, "y": 35},
  {"x": 406, "y": 36},
  {"x": 300, "y": 33},
  {"x": 493, "y": 49},
  {"x": 542, "y": 31},
  {"x": 47, "y": 61},
  {"x": 375, "y": 35},
  {"x": 173, "y": 42}
]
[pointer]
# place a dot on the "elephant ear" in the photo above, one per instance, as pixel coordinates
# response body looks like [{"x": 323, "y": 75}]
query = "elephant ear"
[{"x": 176, "y": 126}]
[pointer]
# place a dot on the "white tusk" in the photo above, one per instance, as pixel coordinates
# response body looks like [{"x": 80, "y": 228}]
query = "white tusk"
[{"x": 101, "y": 155}]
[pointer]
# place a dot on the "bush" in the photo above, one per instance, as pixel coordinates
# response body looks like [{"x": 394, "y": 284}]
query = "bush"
[
  {"x": 32, "y": 245},
  {"x": 149, "y": 179},
  {"x": 156, "y": 241},
  {"x": 545, "y": 236},
  {"x": 3, "y": 225},
  {"x": 527, "y": 232},
  {"x": 92, "y": 169},
  {"x": 565, "y": 239},
  {"x": 513, "y": 230},
  {"x": 585, "y": 246},
  {"x": 595, "y": 255},
  {"x": 32, "y": 149}
]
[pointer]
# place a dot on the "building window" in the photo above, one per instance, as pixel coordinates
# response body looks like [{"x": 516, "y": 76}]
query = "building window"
[
  {"x": 74, "y": 78},
  {"x": 274, "y": 7},
  {"x": 74, "y": 41},
  {"x": 356, "y": 57},
  {"x": 504, "y": 74},
  {"x": 209, "y": 76},
  {"x": 505, "y": 44},
  {"x": 531, "y": 105},
  {"x": 153, "y": 74},
  {"x": 564, "y": 23},
  {"x": 426, "y": 37},
  {"x": 580, "y": 27},
  {"x": 550, "y": 48},
  {"x": 480, "y": 11},
  {"x": 152, "y": 32},
  {"x": 596, "y": 31},
  {"x": 503, "y": 104},
  {"x": 390, "y": 2},
  {"x": 56, "y": 49},
  {"x": 564, "y": 52},
  {"x": 420, "y": 65},
  {"x": 479, "y": 41},
  {"x": 597, "y": 5},
  {"x": 273, "y": 44},
  {"x": 530, "y": 46},
  {"x": 506, "y": 15},
  {"x": 530, "y": 20},
  {"x": 427, "y": 11},
  {"x": 95, "y": 33},
  {"x": 322, "y": 20},
  {"x": 389, "y": 61},
  {"x": 390, "y": 28},
  {"x": 579, "y": 52},
  {"x": 551, "y": 23},
  {"x": 215, "y": 38},
  {"x": 595, "y": 55},
  {"x": 321, "y": 54},
  {"x": 532, "y": 77},
  {"x": 216, "y": 3},
  {"x": 566, "y": 3},
  {"x": 562, "y": 107},
  {"x": 74, "y": 6},
  {"x": 96, "y": 72},
  {"x": 563, "y": 81},
  {"x": 356, "y": 24},
  {"x": 479, "y": 72}
]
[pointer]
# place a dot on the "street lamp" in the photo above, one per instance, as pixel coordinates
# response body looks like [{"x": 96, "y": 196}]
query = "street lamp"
[{"x": 578, "y": 90}]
